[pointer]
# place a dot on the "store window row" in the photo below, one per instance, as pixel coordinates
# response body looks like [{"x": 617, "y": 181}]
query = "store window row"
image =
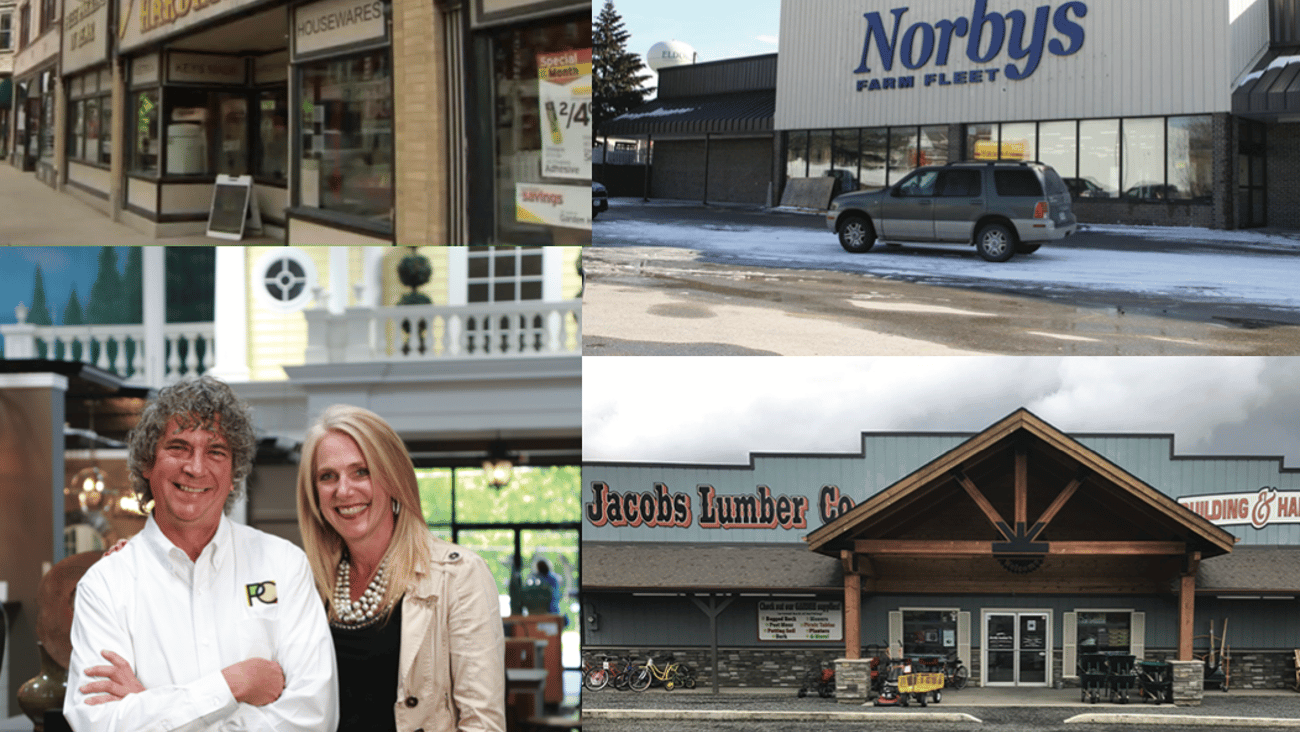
[
  {"x": 922, "y": 632},
  {"x": 307, "y": 109},
  {"x": 1141, "y": 159}
]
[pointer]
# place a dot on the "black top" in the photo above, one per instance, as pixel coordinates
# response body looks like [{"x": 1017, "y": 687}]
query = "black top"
[{"x": 367, "y": 665}]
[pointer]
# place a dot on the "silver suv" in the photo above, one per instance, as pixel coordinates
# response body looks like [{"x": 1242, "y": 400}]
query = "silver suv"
[{"x": 1002, "y": 208}]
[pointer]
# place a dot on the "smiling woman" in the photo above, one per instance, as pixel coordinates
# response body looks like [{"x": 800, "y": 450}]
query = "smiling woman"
[{"x": 387, "y": 583}]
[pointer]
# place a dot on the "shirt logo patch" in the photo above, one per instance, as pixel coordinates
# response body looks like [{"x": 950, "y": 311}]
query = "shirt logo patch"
[{"x": 263, "y": 592}]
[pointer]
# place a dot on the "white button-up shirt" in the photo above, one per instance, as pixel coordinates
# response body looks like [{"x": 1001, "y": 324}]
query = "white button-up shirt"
[{"x": 179, "y": 623}]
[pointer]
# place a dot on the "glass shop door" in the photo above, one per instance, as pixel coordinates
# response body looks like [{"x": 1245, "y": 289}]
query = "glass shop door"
[{"x": 1016, "y": 647}]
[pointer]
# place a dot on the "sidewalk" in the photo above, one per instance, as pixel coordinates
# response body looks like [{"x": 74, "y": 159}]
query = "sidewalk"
[
  {"x": 33, "y": 214},
  {"x": 1273, "y": 708}
]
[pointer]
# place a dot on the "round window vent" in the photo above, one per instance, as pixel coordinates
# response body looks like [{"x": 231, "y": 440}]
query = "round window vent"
[{"x": 283, "y": 280}]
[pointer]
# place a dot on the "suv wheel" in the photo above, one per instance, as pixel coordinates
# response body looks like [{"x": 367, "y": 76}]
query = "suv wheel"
[
  {"x": 995, "y": 242},
  {"x": 857, "y": 235}
]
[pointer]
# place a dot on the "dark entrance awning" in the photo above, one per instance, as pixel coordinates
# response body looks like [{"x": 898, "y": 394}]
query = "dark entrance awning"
[
  {"x": 6, "y": 93},
  {"x": 749, "y": 111},
  {"x": 1271, "y": 92}
]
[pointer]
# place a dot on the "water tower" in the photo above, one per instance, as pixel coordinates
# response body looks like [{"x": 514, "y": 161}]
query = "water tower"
[{"x": 665, "y": 54}]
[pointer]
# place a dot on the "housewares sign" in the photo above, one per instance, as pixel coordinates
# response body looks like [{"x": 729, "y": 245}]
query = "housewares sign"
[
  {"x": 1259, "y": 509},
  {"x": 991, "y": 45},
  {"x": 334, "y": 23},
  {"x": 800, "y": 620}
]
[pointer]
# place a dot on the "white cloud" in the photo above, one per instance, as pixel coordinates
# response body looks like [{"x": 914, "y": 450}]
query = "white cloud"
[
  {"x": 770, "y": 40},
  {"x": 722, "y": 409}
]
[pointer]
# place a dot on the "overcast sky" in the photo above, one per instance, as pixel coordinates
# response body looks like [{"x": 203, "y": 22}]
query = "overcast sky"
[{"x": 718, "y": 410}]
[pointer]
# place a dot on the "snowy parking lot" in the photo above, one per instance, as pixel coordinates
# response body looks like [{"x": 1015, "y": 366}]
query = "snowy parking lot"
[{"x": 1243, "y": 276}]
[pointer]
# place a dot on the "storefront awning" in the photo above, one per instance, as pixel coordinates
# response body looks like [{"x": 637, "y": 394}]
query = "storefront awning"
[
  {"x": 639, "y": 566},
  {"x": 1271, "y": 92},
  {"x": 1252, "y": 570},
  {"x": 750, "y": 111}
]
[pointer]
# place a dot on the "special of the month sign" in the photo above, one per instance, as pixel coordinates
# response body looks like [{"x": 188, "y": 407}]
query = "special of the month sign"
[
  {"x": 564, "y": 93},
  {"x": 538, "y": 203},
  {"x": 800, "y": 620}
]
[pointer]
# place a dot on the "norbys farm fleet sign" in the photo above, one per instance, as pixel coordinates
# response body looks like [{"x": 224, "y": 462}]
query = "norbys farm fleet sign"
[
  {"x": 1259, "y": 509},
  {"x": 981, "y": 38}
]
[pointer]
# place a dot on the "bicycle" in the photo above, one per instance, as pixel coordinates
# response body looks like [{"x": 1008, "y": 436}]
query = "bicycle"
[
  {"x": 609, "y": 671},
  {"x": 671, "y": 675},
  {"x": 955, "y": 674}
]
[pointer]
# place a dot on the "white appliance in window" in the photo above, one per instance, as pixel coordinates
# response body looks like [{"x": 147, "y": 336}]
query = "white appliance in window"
[{"x": 187, "y": 149}]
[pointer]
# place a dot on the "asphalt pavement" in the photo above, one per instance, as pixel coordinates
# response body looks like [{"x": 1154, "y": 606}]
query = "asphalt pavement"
[{"x": 757, "y": 710}]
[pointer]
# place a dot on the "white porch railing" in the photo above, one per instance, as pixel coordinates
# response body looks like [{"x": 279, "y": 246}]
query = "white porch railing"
[
  {"x": 431, "y": 332},
  {"x": 190, "y": 348}
]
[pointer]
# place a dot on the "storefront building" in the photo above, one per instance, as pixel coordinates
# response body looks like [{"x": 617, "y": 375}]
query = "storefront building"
[
  {"x": 35, "y": 126},
  {"x": 1018, "y": 548},
  {"x": 1153, "y": 112},
  {"x": 160, "y": 97}
]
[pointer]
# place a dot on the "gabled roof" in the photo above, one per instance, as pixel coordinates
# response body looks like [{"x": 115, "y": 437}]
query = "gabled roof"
[{"x": 904, "y": 500}]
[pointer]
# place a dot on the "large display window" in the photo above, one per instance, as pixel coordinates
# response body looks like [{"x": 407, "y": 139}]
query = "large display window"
[
  {"x": 1140, "y": 158},
  {"x": 272, "y": 164},
  {"x": 346, "y": 165},
  {"x": 540, "y": 149},
  {"x": 1104, "y": 631},
  {"x": 206, "y": 131},
  {"x": 144, "y": 148},
  {"x": 929, "y": 632},
  {"x": 90, "y": 129}
]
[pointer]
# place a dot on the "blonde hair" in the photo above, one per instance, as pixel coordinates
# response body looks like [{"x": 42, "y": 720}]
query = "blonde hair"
[{"x": 390, "y": 465}]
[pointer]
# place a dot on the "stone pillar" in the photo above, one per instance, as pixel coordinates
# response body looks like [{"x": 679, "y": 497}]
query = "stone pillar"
[
  {"x": 1189, "y": 682},
  {"x": 852, "y": 680}
]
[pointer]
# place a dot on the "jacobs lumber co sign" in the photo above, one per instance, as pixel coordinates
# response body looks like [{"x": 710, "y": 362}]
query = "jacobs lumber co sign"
[{"x": 1259, "y": 509}]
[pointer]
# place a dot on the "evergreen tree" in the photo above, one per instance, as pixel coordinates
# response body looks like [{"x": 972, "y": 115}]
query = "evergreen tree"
[
  {"x": 133, "y": 286},
  {"x": 40, "y": 312},
  {"x": 106, "y": 303},
  {"x": 617, "y": 72},
  {"x": 72, "y": 316},
  {"x": 72, "y": 311},
  {"x": 191, "y": 284}
]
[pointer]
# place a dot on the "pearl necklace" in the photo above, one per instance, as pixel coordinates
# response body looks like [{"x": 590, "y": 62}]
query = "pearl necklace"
[{"x": 364, "y": 611}]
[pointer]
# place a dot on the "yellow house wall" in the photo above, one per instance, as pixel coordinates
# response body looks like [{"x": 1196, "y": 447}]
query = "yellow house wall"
[{"x": 277, "y": 339}]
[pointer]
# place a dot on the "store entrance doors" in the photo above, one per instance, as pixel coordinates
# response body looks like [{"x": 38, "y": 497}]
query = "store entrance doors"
[
  {"x": 1016, "y": 648},
  {"x": 1252, "y": 209}
]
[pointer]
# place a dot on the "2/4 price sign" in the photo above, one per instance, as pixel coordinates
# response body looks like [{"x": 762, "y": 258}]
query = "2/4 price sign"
[{"x": 564, "y": 93}]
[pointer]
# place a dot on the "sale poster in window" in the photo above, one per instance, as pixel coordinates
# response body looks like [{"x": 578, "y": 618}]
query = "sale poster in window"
[{"x": 564, "y": 94}]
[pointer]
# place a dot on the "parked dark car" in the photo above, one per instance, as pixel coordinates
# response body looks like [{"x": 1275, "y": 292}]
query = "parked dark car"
[
  {"x": 599, "y": 199},
  {"x": 1003, "y": 208},
  {"x": 1085, "y": 188}
]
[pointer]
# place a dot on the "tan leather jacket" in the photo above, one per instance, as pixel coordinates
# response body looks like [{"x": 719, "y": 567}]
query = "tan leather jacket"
[{"x": 451, "y": 674}]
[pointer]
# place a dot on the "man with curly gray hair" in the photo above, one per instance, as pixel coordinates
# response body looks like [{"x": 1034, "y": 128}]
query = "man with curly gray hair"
[{"x": 205, "y": 624}]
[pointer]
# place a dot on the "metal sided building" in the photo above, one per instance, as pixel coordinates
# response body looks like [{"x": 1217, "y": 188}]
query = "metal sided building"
[
  {"x": 1019, "y": 547},
  {"x": 1175, "y": 112}
]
